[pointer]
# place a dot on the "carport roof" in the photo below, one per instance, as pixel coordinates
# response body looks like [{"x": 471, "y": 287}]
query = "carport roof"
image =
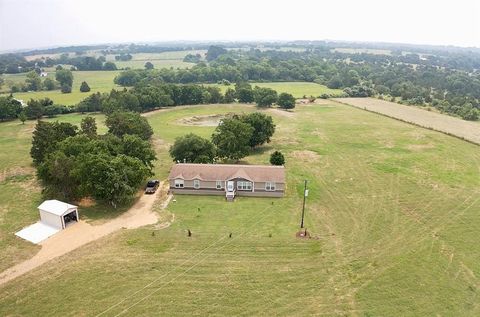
[{"x": 56, "y": 207}]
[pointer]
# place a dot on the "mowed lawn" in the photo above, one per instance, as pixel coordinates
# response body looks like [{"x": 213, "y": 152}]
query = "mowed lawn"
[
  {"x": 393, "y": 211},
  {"x": 297, "y": 89},
  {"x": 99, "y": 81}
]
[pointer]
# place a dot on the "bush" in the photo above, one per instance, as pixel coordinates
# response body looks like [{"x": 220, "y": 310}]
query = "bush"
[
  {"x": 286, "y": 101},
  {"x": 84, "y": 87},
  {"x": 66, "y": 89},
  {"x": 277, "y": 158}
]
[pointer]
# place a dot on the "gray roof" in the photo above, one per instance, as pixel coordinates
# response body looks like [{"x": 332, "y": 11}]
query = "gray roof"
[{"x": 213, "y": 172}]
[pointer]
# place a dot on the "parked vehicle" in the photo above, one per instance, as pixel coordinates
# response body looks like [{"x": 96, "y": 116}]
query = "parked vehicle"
[{"x": 152, "y": 186}]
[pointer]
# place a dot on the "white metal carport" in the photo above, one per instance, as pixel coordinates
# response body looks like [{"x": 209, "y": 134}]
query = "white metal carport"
[
  {"x": 54, "y": 212},
  {"x": 54, "y": 216}
]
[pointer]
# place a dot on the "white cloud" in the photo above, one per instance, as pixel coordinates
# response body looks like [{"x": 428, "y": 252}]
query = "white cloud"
[{"x": 30, "y": 23}]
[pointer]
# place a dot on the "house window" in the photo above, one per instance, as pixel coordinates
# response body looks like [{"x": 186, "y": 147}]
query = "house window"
[
  {"x": 218, "y": 184},
  {"x": 270, "y": 186},
  {"x": 244, "y": 185},
  {"x": 179, "y": 183},
  {"x": 196, "y": 184}
]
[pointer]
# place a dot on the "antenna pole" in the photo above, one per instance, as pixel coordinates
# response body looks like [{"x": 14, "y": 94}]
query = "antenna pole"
[{"x": 304, "y": 197}]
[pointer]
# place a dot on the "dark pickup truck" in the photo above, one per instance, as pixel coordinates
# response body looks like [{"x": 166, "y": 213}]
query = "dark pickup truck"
[{"x": 152, "y": 186}]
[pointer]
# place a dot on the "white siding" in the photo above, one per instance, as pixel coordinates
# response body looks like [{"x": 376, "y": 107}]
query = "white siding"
[{"x": 51, "y": 219}]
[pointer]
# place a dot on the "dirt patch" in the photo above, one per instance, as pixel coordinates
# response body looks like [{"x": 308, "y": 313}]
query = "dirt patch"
[
  {"x": 283, "y": 113},
  {"x": 86, "y": 202},
  {"x": 306, "y": 155},
  {"x": 420, "y": 147},
  {"x": 203, "y": 121},
  {"x": 81, "y": 233},
  {"x": 16, "y": 171},
  {"x": 160, "y": 144}
]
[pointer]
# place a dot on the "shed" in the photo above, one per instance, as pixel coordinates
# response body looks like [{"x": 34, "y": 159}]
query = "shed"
[{"x": 57, "y": 214}]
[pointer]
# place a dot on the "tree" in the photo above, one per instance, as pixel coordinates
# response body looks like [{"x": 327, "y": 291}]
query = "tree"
[
  {"x": 22, "y": 117},
  {"x": 36, "y": 107},
  {"x": 66, "y": 89},
  {"x": 49, "y": 84},
  {"x": 46, "y": 136},
  {"x": 91, "y": 103},
  {"x": 244, "y": 92},
  {"x": 230, "y": 96},
  {"x": 134, "y": 146},
  {"x": 109, "y": 66},
  {"x": 33, "y": 81},
  {"x": 112, "y": 179},
  {"x": 52, "y": 110},
  {"x": 471, "y": 115},
  {"x": 192, "y": 148},
  {"x": 84, "y": 87},
  {"x": 121, "y": 123},
  {"x": 10, "y": 108},
  {"x": 88, "y": 126},
  {"x": 214, "y": 52},
  {"x": 286, "y": 101},
  {"x": 232, "y": 138},
  {"x": 265, "y": 97},
  {"x": 64, "y": 77},
  {"x": 277, "y": 158},
  {"x": 149, "y": 65},
  {"x": 263, "y": 127}
]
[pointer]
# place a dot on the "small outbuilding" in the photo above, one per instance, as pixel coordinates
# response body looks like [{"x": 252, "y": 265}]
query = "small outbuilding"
[
  {"x": 58, "y": 214},
  {"x": 54, "y": 217}
]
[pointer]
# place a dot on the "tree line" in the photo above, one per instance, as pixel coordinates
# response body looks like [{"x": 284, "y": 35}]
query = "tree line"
[
  {"x": 435, "y": 81},
  {"x": 145, "y": 97}
]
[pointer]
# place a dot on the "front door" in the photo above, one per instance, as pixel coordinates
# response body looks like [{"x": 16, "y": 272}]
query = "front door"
[{"x": 230, "y": 186}]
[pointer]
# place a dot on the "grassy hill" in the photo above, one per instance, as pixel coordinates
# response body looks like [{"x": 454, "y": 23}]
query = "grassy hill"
[{"x": 393, "y": 214}]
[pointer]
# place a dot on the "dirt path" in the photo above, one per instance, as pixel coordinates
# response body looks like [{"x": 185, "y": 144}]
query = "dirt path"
[{"x": 81, "y": 233}]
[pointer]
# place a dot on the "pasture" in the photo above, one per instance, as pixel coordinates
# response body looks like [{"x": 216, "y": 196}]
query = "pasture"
[
  {"x": 393, "y": 212},
  {"x": 159, "y": 60},
  {"x": 469, "y": 130},
  {"x": 297, "y": 89},
  {"x": 99, "y": 81}
]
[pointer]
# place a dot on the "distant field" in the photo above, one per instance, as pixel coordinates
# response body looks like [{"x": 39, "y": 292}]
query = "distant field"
[
  {"x": 393, "y": 211},
  {"x": 362, "y": 50},
  {"x": 465, "y": 129},
  {"x": 159, "y": 60},
  {"x": 297, "y": 89},
  {"x": 99, "y": 81}
]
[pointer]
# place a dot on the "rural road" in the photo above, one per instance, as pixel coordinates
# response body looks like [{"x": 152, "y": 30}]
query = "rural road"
[{"x": 81, "y": 233}]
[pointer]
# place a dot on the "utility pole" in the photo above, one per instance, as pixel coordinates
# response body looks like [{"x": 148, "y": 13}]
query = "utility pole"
[{"x": 305, "y": 194}]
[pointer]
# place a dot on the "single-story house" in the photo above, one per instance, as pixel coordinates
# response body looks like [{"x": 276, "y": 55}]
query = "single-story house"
[
  {"x": 228, "y": 180},
  {"x": 54, "y": 217},
  {"x": 57, "y": 214}
]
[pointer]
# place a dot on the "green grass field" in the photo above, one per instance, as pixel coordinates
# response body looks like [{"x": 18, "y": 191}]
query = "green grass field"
[
  {"x": 297, "y": 89},
  {"x": 393, "y": 212},
  {"x": 159, "y": 60},
  {"x": 99, "y": 81}
]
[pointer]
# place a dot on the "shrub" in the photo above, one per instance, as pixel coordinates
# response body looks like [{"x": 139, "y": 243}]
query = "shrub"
[{"x": 277, "y": 158}]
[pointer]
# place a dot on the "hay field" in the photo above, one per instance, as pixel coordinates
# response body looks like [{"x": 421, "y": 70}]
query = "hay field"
[{"x": 439, "y": 122}]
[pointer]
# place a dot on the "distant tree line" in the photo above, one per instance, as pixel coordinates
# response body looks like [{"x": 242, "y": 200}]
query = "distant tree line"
[{"x": 437, "y": 81}]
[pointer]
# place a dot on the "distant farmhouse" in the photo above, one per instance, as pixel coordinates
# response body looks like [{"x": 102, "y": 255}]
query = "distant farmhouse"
[{"x": 228, "y": 180}]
